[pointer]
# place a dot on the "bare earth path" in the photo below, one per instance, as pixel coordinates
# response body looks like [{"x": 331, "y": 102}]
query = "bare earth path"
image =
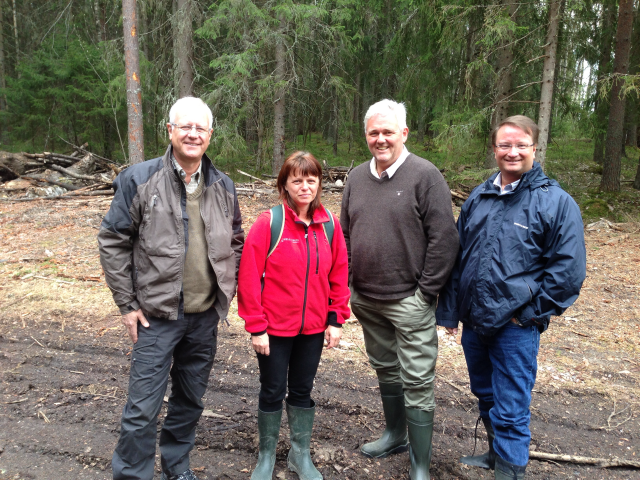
[{"x": 64, "y": 362}]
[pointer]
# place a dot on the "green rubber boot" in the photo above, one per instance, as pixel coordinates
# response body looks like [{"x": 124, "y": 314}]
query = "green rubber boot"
[
  {"x": 508, "y": 471},
  {"x": 420, "y": 424},
  {"x": 488, "y": 459},
  {"x": 394, "y": 438},
  {"x": 268, "y": 429},
  {"x": 299, "y": 459}
]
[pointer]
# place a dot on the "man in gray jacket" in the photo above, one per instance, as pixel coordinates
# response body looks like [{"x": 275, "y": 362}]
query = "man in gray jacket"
[
  {"x": 402, "y": 243},
  {"x": 168, "y": 217}
]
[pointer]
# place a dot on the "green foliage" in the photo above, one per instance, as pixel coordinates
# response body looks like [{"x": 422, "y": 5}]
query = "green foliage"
[{"x": 66, "y": 90}]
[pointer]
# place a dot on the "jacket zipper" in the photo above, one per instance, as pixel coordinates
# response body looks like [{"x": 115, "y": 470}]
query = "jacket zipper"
[
  {"x": 306, "y": 278},
  {"x": 315, "y": 239}
]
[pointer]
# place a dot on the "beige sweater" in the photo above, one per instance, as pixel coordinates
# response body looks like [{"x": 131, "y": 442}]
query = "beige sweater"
[{"x": 199, "y": 283}]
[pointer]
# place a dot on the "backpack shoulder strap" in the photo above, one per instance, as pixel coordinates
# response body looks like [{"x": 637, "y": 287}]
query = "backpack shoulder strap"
[
  {"x": 276, "y": 224},
  {"x": 329, "y": 227}
]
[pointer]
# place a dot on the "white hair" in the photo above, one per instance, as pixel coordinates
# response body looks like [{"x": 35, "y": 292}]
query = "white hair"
[
  {"x": 187, "y": 103},
  {"x": 386, "y": 107}
]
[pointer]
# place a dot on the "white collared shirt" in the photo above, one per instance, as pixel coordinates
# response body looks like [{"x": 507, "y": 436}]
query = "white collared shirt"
[
  {"x": 195, "y": 177},
  {"x": 393, "y": 168},
  {"x": 507, "y": 188}
]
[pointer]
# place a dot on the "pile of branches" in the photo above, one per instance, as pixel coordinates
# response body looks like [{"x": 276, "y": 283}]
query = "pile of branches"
[
  {"x": 333, "y": 180},
  {"x": 50, "y": 175}
]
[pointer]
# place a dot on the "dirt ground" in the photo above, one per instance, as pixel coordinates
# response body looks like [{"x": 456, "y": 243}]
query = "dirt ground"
[{"x": 64, "y": 363}]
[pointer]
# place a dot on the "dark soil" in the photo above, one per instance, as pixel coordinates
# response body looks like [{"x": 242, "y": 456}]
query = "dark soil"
[{"x": 64, "y": 373}]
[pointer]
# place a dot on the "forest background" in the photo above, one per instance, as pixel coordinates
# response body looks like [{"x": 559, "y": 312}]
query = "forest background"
[{"x": 286, "y": 75}]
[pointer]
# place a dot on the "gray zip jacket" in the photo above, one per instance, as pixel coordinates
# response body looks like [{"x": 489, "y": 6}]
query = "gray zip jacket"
[{"x": 144, "y": 238}]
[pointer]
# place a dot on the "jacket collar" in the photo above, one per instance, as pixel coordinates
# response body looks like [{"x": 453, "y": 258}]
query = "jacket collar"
[
  {"x": 534, "y": 178},
  {"x": 209, "y": 173},
  {"x": 319, "y": 216}
]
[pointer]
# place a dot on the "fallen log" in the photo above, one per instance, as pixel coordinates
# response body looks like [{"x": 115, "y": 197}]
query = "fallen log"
[
  {"x": 66, "y": 196},
  {"x": 68, "y": 186},
  {"x": 68, "y": 172},
  {"x": 600, "y": 462}
]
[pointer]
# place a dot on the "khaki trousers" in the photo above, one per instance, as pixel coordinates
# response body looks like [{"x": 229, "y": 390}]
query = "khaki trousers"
[{"x": 402, "y": 344}]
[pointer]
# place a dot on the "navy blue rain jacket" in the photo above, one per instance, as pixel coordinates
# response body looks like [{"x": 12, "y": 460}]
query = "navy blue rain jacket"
[{"x": 522, "y": 255}]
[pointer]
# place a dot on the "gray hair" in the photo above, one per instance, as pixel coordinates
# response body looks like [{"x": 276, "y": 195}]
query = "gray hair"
[
  {"x": 386, "y": 107},
  {"x": 186, "y": 103}
]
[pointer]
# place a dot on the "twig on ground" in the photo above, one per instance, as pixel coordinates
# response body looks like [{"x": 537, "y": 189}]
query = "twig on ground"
[
  {"x": 449, "y": 382},
  {"x": 600, "y": 462},
  {"x": 37, "y": 342},
  {"x": 41, "y": 414},
  {"x": 16, "y": 301},
  {"x": 52, "y": 279}
]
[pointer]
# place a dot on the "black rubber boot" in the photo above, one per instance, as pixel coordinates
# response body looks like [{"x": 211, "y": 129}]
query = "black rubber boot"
[
  {"x": 299, "y": 459},
  {"x": 268, "y": 429},
  {"x": 508, "y": 471},
  {"x": 394, "y": 438},
  {"x": 488, "y": 459},
  {"x": 420, "y": 424}
]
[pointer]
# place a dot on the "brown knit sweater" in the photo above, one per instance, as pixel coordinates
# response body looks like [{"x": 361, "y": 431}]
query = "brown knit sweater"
[
  {"x": 199, "y": 282},
  {"x": 400, "y": 231}
]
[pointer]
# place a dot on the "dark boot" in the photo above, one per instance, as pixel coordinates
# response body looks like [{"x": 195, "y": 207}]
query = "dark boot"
[
  {"x": 394, "y": 438},
  {"x": 268, "y": 429},
  {"x": 508, "y": 471},
  {"x": 488, "y": 459},
  {"x": 420, "y": 424},
  {"x": 299, "y": 459}
]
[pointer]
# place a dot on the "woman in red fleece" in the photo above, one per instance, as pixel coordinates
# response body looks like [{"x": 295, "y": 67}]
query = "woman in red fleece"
[{"x": 291, "y": 301}]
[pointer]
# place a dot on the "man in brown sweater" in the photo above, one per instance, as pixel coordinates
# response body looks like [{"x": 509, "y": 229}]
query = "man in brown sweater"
[
  {"x": 402, "y": 242},
  {"x": 170, "y": 248}
]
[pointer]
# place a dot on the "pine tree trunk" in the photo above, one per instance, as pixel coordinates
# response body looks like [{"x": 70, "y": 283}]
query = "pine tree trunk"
[
  {"x": 3, "y": 82},
  {"x": 604, "y": 67},
  {"x": 548, "y": 80},
  {"x": 636, "y": 183},
  {"x": 335, "y": 121},
  {"x": 633, "y": 99},
  {"x": 613, "y": 147},
  {"x": 15, "y": 36},
  {"x": 134, "y": 90},
  {"x": 504, "y": 61},
  {"x": 279, "y": 104},
  {"x": 183, "y": 48}
]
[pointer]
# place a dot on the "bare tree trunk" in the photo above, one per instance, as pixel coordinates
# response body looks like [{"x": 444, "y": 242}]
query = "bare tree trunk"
[
  {"x": 604, "y": 67},
  {"x": 613, "y": 148},
  {"x": 134, "y": 90},
  {"x": 260, "y": 133},
  {"x": 504, "y": 61},
  {"x": 3, "y": 82},
  {"x": 633, "y": 99},
  {"x": 183, "y": 48},
  {"x": 335, "y": 121},
  {"x": 15, "y": 35},
  {"x": 279, "y": 104},
  {"x": 548, "y": 80}
]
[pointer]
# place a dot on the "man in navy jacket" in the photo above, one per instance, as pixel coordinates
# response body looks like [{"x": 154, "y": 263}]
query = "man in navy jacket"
[{"x": 522, "y": 259}]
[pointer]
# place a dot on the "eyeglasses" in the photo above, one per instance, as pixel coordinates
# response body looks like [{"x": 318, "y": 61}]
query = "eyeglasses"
[
  {"x": 186, "y": 129},
  {"x": 505, "y": 147}
]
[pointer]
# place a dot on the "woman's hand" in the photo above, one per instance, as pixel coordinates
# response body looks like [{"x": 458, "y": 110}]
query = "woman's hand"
[
  {"x": 332, "y": 336},
  {"x": 261, "y": 343}
]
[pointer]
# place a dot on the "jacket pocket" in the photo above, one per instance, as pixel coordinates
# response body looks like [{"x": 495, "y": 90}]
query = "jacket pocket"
[{"x": 159, "y": 233}]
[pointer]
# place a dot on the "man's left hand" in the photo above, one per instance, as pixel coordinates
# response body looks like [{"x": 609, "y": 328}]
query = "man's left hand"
[
  {"x": 332, "y": 336},
  {"x": 451, "y": 331}
]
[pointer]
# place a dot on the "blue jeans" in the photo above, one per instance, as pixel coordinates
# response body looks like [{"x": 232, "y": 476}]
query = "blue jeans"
[{"x": 502, "y": 371}]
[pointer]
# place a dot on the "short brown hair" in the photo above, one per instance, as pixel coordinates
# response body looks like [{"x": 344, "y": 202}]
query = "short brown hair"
[
  {"x": 522, "y": 122},
  {"x": 302, "y": 163}
]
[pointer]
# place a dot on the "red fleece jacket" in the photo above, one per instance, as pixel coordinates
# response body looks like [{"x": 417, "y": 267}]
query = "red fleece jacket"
[{"x": 304, "y": 280}]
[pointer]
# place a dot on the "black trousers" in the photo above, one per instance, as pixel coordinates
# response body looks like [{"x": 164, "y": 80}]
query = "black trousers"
[
  {"x": 292, "y": 360},
  {"x": 191, "y": 344}
]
